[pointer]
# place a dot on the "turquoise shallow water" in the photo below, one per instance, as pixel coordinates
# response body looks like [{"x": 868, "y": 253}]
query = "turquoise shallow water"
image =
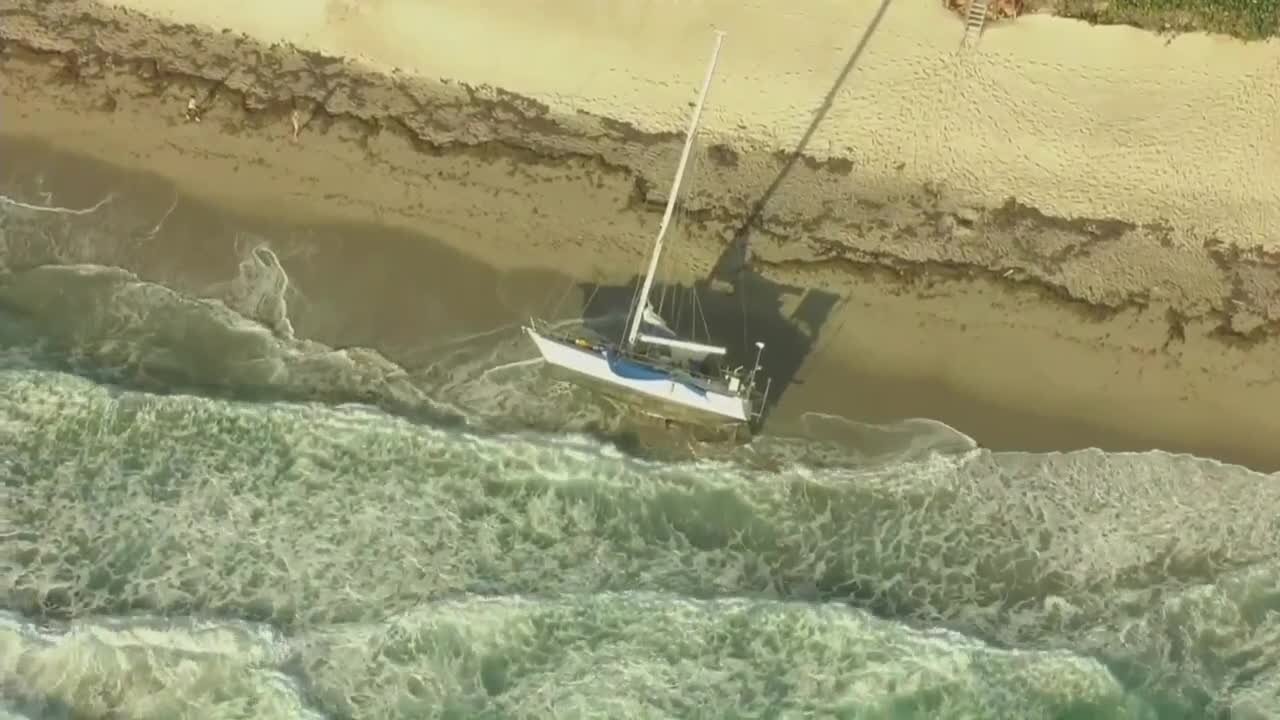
[{"x": 203, "y": 514}]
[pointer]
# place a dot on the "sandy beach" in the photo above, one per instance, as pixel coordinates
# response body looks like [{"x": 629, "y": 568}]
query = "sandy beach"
[{"x": 1061, "y": 239}]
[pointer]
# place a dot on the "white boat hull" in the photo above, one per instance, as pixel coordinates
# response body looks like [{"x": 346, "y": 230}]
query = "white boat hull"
[{"x": 632, "y": 381}]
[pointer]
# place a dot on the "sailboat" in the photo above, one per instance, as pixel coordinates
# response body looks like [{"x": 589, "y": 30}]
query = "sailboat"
[{"x": 651, "y": 366}]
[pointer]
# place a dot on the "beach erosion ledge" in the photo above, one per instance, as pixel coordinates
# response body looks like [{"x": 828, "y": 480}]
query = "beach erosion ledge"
[{"x": 1067, "y": 224}]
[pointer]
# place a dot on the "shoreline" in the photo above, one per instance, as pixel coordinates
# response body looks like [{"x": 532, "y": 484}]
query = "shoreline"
[
  {"x": 1021, "y": 325},
  {"x": 368, "y": 308}
]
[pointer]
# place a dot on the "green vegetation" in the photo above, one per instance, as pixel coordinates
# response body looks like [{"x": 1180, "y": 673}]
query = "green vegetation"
[{"x": 1247, "y": 19}]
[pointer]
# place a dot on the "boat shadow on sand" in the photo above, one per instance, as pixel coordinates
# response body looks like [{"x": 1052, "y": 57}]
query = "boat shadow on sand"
[{"x": 742, "y": 306}]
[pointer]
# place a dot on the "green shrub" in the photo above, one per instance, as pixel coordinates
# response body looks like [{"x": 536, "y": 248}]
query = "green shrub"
[{"x": 1248, "y": 19}]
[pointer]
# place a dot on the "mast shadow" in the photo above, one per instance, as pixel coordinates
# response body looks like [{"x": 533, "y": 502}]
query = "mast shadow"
[
  {"x": 739, "y": 304},
  {"x": 738, "y": 255}
]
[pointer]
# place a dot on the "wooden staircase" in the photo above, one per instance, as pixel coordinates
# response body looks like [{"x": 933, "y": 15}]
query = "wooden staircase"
[{"x": 974, "y": 18}]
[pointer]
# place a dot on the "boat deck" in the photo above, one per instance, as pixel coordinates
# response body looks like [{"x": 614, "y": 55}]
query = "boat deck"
[{"x": 687, "y": 371}]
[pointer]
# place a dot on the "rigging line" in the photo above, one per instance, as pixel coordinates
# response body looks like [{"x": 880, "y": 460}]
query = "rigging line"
[
  {"x": 692, "y": 298},
  {"x": 595, "y": 288},
  {"x": 694, "y": 316},
  {"x": 574, "y": 93},
  {"x": 676, "y": 256},
  {"x": 690, "y": 186},
  {"x": 547, "y": 293},
  {"x": 669, "y": 286},
  {"x": 511, "y": 365},
  {"x": 706, "y": 328},
  {"x": 686, "y": 221},
  {"x": 568, "y": 287},
  {"x": 677, "y": 291},
  {"x": 635, "y": 296},
  {"x": 696, "y": 302},
  {"x": 665, "y": 289}
]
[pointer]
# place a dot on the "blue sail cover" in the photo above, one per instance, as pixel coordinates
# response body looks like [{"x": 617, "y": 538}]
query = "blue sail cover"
[{"x": 635, "y": 371}]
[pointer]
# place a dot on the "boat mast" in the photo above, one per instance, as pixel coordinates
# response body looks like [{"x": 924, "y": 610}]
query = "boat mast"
[{"x": 642, "y": 302}]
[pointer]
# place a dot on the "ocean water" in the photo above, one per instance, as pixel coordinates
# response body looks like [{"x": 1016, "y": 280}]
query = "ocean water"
[{"x": 204, "y": 513}]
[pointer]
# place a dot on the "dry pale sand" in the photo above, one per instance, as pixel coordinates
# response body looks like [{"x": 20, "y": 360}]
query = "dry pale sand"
[
  {"x": 1074, "y": 120},
  {"x": 1059, "y": 239}
]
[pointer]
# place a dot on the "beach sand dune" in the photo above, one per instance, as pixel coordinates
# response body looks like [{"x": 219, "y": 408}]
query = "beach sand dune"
[{"x": 1062, "y": 237}]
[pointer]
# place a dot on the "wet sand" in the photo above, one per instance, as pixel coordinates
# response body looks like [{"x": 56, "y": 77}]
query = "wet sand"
[
  {"x": 1092, "y": 310},
  {"x": 416, "y": 295},
  {"x": 401, "y": 300}
]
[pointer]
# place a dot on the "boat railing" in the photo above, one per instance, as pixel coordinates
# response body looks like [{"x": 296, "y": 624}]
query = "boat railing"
[{"x": 759, "y": 398}]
